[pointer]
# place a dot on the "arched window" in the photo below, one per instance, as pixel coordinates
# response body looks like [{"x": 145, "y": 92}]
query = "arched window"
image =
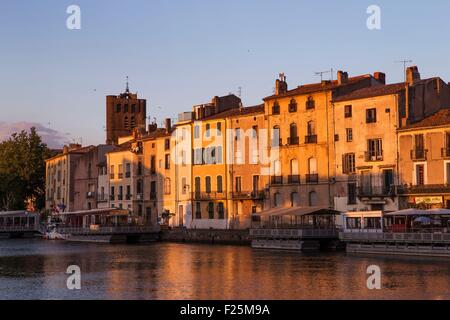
[
  {"x": 313, "y": 199},
  {"x": 277, "y": 199},
  {"x": 276, "y": 168},
  {"x": 293, "y": 136},
  {"x": 221, "y": 210},
  {"x": 211, "y": 210},
  {"x": 311, "y": 128},
  {"x": 276, "y": 137},
  {"x": 310, "y": 103},
  {"x": 312, "y": 165},
  {"x": 293, "y": 106},
  {"x": 167, "y": 186},
  {"x": 294, "y": 176}
]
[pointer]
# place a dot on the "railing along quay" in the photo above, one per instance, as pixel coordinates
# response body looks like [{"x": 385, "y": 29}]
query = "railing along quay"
[
  {"x": 108, "y": 230},
  {"x": 294, "y": 233},
  {"x": 395, "y": 237}
]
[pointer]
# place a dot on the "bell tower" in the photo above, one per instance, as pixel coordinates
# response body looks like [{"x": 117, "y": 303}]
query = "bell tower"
[{"x": 124, "y": 112}]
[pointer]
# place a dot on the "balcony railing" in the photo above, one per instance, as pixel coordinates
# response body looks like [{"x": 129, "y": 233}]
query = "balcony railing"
[
  {"x": 419, "y": 154},
  {"x": 112, "y": 197},
  {"x": 102, "y": 198},
  {"x": 312, "y": 138},
  {"x": 255, "y": 195},
  {"x": 312, "y": 178},
  {"x": 377, "y": 191},
  {"x": 90, "y": 195},
  {"x": 152, "y": 195},
  {"x": 373, "y": 156},
  {"x": 214, "y": 195},
  {"x": 438, "y": 189},
  {"x": 120, "y": 197},
  {"x": 276, "y": 180},
  {"x": 293, "y": 140},
  {"x": 128, "y": 197},
  {"x": 294, "y": 179},
  {"x": 120, "y": 175}
]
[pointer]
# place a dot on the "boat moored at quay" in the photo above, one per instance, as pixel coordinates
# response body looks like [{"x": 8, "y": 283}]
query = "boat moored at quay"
[{"x": 405, "y": 232}]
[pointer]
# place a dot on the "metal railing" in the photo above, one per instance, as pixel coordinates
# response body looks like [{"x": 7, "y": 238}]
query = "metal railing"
[
  {"x": 276, "y": 180},
  {"x": 312, "y": 178},
  {"x": 373, "y": 156},
  {"x": 208, "y": 195},
  {"x": 108, "y": 230},
  {"x": 419, "y": 154},
  {"x": 294, "y": 178},
  {"x": 19, "y": 228},
  {"x": 293, "y": 233},
  {"x": 377, "y": 191},
  {"x": 311, "y": 139},
  {"x": 293, "y": 140},
  {"x": 380, "y": 236}
]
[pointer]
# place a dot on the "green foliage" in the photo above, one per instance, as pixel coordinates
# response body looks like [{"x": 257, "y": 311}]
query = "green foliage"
[{"x": 22, "y": 170}]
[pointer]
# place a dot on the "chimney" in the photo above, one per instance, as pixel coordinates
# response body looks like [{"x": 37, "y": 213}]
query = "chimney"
[
  {"x": 380, "y": 77},
  {"x": 281, "y": 85},
  {"x": 152, "y": 127},
  {"x": 65, "y": 149},
  {"x": 412, "y": 75},
  {"x": 342, "y": 77},
  {"x": 168, "y": 125}
]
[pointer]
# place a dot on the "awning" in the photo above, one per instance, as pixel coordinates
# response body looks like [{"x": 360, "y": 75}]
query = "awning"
[
  {"x": 408, "y": 212},
  {"x": 298, "y": 211}
]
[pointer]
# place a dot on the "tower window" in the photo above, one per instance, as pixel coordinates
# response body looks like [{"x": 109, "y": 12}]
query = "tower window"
[
  {"x": 118, "y": 108},
  {"x": 133, "y": 108}
]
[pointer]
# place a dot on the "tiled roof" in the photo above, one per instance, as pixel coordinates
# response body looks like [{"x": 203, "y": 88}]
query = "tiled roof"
[
  {"x": 236, "y": 112},
  {"x": 381, "y": 90},
  {"x": 440, "y": 118},
  {"x": 317, "y": 87}
]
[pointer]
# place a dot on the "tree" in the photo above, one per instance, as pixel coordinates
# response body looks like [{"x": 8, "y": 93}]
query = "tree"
[{"x": 22, "y": 170}]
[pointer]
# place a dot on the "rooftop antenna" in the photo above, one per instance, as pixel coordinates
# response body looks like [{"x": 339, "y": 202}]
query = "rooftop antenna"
[
  {"x": 239, "y": 92},
  {"x": 404, "y": 67},
  {"x": 127, "y": 89},
  {"x": 321, "y": 73}
]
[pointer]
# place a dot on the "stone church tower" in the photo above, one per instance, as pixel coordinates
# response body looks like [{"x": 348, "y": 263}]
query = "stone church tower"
[{"x": 124, "y": 113}]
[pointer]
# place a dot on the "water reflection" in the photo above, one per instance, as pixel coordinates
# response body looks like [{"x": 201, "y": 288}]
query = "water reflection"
[{"x": 35, "y": 269}]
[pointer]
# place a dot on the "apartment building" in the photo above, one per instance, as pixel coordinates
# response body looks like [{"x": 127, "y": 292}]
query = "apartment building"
[
  {"x": 299, "y": 123},
  {"x": 424, "y": 152}
]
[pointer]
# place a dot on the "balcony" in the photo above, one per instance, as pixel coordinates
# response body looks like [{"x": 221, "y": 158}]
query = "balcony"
[
  {"x": 120, "y": 175},
  {"x": 276, "y": 109},
  {"x": 139, "y": 197},
  {"x": 208, "y": 195},
  {"x": 120, "y": 197},
  {"x": 419, "y": 155},
  {"x": 111, "y": 176},
  {"x": 293, "y": 141},
  {"x": 445, "y": 152},
  {"x": 128, "y": 197},
  {"x": 276, "y": 180},
  {"x": 294, "y": 179},
  {"x": 103, "y": 198},
  {"x": 127, "y": 174},
  {"x": 152, "y": 195},
  {"x": 112, "y": 197},
  {"x": 373, "y": 156},
  {"x": 377, "y": 191},
  {"x": 152, "y": 171},
  {"x": 312, "y": 138},
  {"x": 312, "y": 178},
  {"x": 247, "y": 195}
]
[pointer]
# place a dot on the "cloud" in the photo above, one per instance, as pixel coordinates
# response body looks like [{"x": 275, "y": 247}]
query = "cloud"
[{"x": 54, "y": 139}]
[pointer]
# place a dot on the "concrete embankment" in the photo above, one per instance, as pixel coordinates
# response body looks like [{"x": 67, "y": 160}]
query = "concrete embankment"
[{"x": 235, "y": 237}]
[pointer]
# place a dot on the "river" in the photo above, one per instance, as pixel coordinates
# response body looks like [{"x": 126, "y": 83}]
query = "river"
[{"x": 36, "y": 269}]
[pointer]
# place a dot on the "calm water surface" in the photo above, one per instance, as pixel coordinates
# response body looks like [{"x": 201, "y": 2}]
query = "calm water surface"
[{"x": 35, "y": 269}]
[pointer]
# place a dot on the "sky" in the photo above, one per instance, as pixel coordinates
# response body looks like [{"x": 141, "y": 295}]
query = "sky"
[{"x": 181, "y": 53}]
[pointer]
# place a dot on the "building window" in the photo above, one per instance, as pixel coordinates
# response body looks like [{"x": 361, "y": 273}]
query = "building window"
[
  {"x": 348, "y": 163},
  {"x": 349, "y": 132},
  {"x": 208, "y": 184},
  {"x": 293, "y": 106},
  {"x": 313, "y": 199},
  {"x": 348, "y": 111},
  {"x": 219, "y": 129},
  {"x": 197, "y": 185},
  {"x": 211, "y": 210},
  {"x": 125, "y": 108},
  {"x": 238, "y": 184},
  {"x": 293, "y": 136},
  {"x": 152, "y": 164},
  {"x": 238, "y": 134},
  {"x": 167, "y": 161},
  {"x": 196, "y": 132},
  {"x": 420, "y": 174},
  {"x": 294, "y": 199},
  {"x": 374, "y": 150},
  {"x": 276, "y": 138},
  {"x": 133, "y": 108},
  {"x": 198, "y": 156},
  {"x": 276, "y": 108},
  {"x": 351, "y": 193},
  {"x": 127, "y": 170},
  {"x": 310, "y": 103},
  {"x": 208, "y": 130},
  {"x": 219, "y": 184},
  {"x": 218, "y": 155},
  {"x": 277, "y": 199},
  {"x": 198, "y": 210},
  {"x": 118, "y": 108},
  {"x": 167, "y": 144},
  {"x": 221, "y": 210},
  {"x": 139, "y": 187},
  {"x": 371, "y": 115},
  {"x": 311, "y": 130}
]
